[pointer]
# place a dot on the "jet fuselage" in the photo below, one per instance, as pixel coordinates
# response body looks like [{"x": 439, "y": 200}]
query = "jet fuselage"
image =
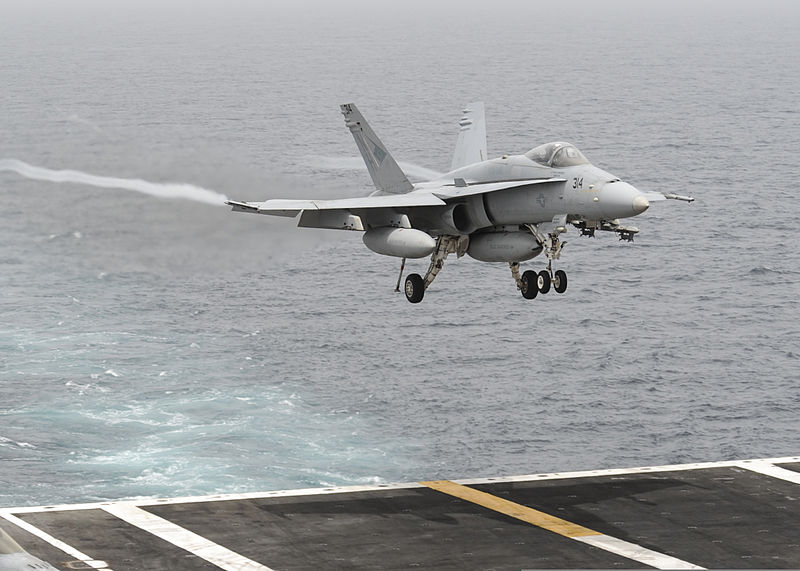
[{"x": 582, "y": 192}]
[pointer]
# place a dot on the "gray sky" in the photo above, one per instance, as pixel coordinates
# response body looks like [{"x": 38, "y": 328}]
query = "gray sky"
[{"x": 345, "y": 9}]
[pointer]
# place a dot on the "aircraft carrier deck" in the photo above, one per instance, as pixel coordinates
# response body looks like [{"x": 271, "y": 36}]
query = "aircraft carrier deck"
[{"x": 742, "y": 514}]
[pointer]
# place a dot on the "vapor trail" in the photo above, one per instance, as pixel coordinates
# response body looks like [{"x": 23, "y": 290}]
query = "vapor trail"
[
  {"x": 161, "y": 190},
  {"x": 356, "y": 163}
]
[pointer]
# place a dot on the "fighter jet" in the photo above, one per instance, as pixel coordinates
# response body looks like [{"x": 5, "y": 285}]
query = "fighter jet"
[{"x": 507, "y": 209}]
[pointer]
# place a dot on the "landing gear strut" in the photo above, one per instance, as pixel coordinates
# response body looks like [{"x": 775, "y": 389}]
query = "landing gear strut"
[
  {"x": 415, "y": 284},
  {"x": 400, "y": 277}
]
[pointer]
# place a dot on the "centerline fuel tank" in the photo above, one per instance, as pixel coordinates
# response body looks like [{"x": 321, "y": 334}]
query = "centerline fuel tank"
[{"x": 513, "y": 246}]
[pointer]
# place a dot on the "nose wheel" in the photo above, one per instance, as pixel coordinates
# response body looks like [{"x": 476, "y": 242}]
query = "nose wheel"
[
  {"x": 560, "y": 281},
  {"x": 543, "y": 281},
  {"x": 528, "y": 285}
]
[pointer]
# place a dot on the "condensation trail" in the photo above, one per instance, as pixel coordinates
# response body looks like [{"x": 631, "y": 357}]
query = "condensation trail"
[
  {"x": 357, "y": 163},
  {"x": 161, "y": 190}
]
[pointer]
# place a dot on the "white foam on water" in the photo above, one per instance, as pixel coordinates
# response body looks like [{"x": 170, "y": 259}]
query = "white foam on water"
[
  {"x": 158, "y": 189},
  {"x": 9, "y": 443}
]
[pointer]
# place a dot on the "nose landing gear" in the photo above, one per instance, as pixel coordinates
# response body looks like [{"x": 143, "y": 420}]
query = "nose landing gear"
[{"x": 530, "y": 283}]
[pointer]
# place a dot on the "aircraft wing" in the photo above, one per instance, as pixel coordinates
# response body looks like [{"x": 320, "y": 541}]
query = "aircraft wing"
[
  {"x": 461, "y": 188},
  {"x": 343, "y": 213},
  {"x": 290, "y": 208},
  {"x": 432, "y": 196},
  {"x": 471, "y": 143}
]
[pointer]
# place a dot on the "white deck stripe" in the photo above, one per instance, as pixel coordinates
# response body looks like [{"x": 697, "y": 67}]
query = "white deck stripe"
[
  {"x": 57, "y": 543},
  {"x": 636, "y": 552},
  {"x": 217, "y": 497},
  {"x": 627, "y": 471},
  {"x": 769, "y": 469},
  {"x": 404, "y": 486},
  {"x": 220, "y": 556}
]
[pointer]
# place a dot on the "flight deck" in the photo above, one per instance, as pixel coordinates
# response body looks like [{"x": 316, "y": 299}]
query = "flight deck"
[{"x": 738, "y": 514}]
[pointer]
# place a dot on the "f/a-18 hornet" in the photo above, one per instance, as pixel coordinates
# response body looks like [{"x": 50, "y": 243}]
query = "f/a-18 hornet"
[{"x": 509, "y": 209}]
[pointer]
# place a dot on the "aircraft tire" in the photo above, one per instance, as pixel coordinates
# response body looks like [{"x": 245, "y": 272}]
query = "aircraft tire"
[
  {"x": 543, "y": 281},
  {"x": 560, "y": 281},
  {"x": 414, "y": 288},
  {"x": 530, "y": 287}
]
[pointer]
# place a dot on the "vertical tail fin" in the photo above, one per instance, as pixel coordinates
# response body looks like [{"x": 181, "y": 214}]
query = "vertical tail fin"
[
  {"x": 385, "y": 172},
  {"x": 471, "y": 144}
]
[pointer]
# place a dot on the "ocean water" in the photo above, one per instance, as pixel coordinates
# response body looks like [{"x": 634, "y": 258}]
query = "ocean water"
[{"x": 153, "y": 343}]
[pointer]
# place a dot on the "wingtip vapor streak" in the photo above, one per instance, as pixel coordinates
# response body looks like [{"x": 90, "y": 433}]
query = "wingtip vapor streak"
[{"x": 508, "y": 209}]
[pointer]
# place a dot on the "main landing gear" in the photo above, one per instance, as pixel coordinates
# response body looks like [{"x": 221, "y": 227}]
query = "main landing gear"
[
  {"x": 415, "y": 285},
  {"x": 530, "y": 283}
]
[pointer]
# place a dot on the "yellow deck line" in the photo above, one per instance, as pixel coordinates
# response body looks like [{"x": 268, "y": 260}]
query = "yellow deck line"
[
  {"x": 513, "y": 509},
  {"x": 561, "y": 526}
]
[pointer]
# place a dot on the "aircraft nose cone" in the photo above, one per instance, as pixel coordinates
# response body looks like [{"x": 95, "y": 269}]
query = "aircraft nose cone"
[
  {"x": 640, "y": 204},
  {"x": 619, "y": 199}
]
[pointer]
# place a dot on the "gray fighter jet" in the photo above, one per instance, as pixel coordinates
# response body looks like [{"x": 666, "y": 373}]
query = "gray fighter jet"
[{"x": 508, "y": 209}]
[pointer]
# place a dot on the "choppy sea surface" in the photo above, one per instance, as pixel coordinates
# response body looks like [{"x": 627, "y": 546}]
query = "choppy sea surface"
[{"x": 162, "y": 346}]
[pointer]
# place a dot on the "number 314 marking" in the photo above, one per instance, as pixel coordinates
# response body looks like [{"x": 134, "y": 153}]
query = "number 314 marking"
[{"x": 577, "y": 183}]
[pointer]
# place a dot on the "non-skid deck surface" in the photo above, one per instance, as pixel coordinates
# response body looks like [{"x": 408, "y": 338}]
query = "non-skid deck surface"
[{"x": 742, "y": 514}]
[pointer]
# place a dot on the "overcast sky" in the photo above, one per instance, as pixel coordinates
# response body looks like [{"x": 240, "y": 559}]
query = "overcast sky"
[{"x": 341, "y": 9}]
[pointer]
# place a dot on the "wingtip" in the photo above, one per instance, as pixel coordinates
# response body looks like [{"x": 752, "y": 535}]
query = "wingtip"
[{"x": 242, "y": 206}]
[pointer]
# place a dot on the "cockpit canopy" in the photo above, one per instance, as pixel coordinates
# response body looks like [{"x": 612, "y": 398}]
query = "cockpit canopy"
[{"x": 557, "y": 155}]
